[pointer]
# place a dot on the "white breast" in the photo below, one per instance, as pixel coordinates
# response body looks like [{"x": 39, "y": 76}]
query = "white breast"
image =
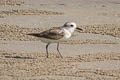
[{"x": 67, "y": 34}]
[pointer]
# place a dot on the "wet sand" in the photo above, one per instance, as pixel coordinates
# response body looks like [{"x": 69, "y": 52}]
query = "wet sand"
[{"x": 92, "y": 54}]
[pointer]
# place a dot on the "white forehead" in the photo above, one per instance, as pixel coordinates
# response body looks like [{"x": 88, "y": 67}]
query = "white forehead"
[
  {"x": 73, "y": 23},
  {"x": 70, "y": 23}
]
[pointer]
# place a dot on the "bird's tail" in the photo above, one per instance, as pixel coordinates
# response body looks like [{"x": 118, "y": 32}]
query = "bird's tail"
[{"x": 35, "y": 34}]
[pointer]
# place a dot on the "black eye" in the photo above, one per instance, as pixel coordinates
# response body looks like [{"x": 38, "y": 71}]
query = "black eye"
[{"x": 71, "y": 25}]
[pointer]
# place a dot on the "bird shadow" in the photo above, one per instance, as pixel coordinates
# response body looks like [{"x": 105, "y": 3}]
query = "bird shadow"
[{"x": 19, "y": 57}]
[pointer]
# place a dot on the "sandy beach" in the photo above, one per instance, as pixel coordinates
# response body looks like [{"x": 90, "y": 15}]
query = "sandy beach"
[{"x": 92, "y": 54}]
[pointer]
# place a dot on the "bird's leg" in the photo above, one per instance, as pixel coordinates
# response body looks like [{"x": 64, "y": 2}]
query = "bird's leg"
[
  {"x": 58, "y": 50},
  {"x": 47, "y": 49}
]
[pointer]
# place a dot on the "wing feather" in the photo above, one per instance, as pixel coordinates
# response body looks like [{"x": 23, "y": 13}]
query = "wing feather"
[{"x": 54, "y": 33}]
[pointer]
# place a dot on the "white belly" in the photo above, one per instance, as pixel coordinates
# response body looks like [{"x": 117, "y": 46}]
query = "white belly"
[{"x": 52, "y": 41}]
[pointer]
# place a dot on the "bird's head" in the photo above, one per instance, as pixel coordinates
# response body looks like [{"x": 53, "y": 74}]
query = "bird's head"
[{"x": 71, "y": 26}]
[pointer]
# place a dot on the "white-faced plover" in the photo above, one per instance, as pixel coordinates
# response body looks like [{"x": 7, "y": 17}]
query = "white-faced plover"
[{"x": 57, "y": 34}]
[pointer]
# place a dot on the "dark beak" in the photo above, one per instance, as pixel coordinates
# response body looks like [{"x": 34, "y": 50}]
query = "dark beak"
[{"x": 79, "y": 29}]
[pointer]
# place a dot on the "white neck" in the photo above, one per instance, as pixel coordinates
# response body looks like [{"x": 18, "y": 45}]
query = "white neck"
[{"x": 70, "y": 30}]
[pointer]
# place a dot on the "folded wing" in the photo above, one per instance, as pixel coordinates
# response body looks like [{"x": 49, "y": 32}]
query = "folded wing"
[{"x": 54, "y": 33}]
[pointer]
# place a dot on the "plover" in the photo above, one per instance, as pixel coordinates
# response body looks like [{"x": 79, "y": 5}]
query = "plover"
[{"x": 57, "y": 34}]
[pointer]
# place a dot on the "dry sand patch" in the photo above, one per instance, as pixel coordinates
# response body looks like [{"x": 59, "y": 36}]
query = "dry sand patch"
[
  {"x": 31, "y": 65},
  {"x": 30, "y": 12},
  {"x": 104, "y": 29},
  {"x": 14, "y": 32},
  {"x": 11, "y": 2},
  {"x": 79, "y": 58}
]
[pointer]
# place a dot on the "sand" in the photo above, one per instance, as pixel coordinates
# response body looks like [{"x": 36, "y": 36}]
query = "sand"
[{"x": 91, "y": 54}]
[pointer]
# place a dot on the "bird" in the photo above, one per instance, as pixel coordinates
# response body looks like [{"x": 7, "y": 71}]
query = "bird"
[{"x": 57, "y": 34}]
